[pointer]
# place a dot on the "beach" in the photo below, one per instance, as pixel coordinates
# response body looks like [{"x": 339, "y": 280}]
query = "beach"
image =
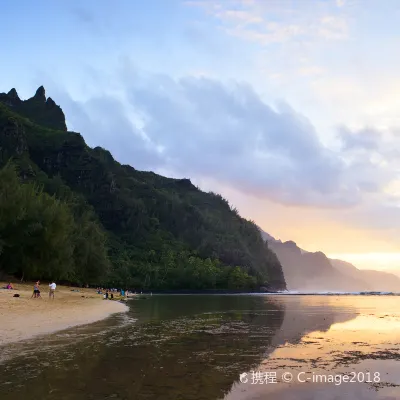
[{"x": 23, "y": 317}]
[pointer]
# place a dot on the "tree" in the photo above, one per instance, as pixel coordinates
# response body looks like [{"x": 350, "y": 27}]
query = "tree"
[{"x": 35, "y": 230}]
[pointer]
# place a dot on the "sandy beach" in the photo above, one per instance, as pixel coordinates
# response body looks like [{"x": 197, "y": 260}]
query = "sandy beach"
[{"x": 23, "y": 318}]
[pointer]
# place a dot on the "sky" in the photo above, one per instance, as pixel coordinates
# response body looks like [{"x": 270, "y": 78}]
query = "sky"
[{"x": 289, "y": 109}]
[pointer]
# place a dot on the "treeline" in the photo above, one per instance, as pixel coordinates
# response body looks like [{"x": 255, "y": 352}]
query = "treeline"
[
  {"x": 42, "y": 237},
  {"x": 171, "y": 270}
]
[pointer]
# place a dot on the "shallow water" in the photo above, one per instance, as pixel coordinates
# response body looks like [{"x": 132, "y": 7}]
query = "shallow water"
[{"x": 196, "y": 347}]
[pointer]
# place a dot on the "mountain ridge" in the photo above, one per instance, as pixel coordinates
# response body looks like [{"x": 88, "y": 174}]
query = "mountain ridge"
[
  {"x": 39, "y": 109},
  {"x": 326, "y": 273},
  {"x": 162, "y": 233}
]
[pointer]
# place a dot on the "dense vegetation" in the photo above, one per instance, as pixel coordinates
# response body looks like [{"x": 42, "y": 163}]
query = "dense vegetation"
[
  {"x": 43, "y": 236},
  {"x": 76, "y": 214}
]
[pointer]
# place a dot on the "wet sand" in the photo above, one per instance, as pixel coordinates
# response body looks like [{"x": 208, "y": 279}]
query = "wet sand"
[
  {"x": 356, "y": 359},
  {"x": 197, "y": 347},
  {"x": 23, "y": 317}
]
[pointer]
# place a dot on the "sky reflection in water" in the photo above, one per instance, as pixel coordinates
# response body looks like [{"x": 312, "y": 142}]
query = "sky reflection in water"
[{"x": 195, "y": 347}]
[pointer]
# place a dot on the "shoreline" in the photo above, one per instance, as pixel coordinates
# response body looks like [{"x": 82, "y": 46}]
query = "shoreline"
[
  {"x": 278, "y": 293},
  {"x": 23, "y": 318}
]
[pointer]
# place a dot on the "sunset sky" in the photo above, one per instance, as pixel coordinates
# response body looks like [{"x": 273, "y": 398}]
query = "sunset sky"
[{"x": 290, "y": 109}]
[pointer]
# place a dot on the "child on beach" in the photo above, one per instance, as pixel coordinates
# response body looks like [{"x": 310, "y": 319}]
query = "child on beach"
[
  {"x": 9, "y": 286},
  {"x": 36, "y": 290}
]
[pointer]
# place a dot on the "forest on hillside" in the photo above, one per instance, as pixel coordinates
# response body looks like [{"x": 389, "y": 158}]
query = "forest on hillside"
[{"x": 73, "y": 213}]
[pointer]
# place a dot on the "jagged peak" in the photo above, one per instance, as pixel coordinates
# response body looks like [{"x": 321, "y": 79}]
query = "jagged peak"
[
  {"x": 38, "y": 109},
  {"x": 13, "y": 93},
  {"x": 40, "y": 94},
  {"x": 290, "y": 243},
  {"x": 50, "y": 102}
]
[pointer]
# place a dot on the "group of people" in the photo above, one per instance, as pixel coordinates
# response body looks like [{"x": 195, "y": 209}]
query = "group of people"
[
  {"x": 109, "y": 293},
  {"x": 100, "y": 290},
  {"x": 36, "y": 290}
]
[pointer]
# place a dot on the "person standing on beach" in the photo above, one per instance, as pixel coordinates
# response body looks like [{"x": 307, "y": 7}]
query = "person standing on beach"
[
  {"x": 36, "y": 290},
  {"x": 52, "y": 287}
]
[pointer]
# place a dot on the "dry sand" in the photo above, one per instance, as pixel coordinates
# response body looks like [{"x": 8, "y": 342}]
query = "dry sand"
[{"x": 22, "y": 317}]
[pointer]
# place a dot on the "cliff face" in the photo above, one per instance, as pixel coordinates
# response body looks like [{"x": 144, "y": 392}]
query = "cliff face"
[
  {"x": 13, "y": 139},
  {"x": 163, "y": 233}
]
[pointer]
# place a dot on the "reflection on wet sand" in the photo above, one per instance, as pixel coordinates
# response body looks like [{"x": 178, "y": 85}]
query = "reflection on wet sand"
[
  {"x": 365, "y": 348},
  {"x": 305, "y": 314},
  {"x": 195, "y": 347}
]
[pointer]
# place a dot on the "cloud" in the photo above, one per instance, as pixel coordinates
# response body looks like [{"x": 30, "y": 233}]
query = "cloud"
[
  {"x": 276, "y": 22},
  {"x": 227, "y": 132},
  {"x": 272, "y": 33},
  {"x": 103, "y": 122},
  {"x": 311, "y": 70},
  {"x": 332, "y": 27},
  {"x": 378, "y": 145},
  {"x": 240, "y": 16},
  {"x": 200, "y": 127},
  {"x": 366, "y": 139}
]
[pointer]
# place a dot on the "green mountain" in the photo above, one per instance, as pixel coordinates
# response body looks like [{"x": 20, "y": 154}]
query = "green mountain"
[{"x": 108, "y": 223}]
